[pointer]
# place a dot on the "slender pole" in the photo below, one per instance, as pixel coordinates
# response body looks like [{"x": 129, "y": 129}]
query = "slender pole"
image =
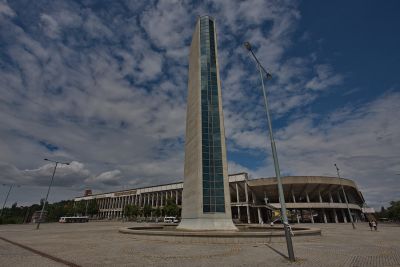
[
  {"x": 87, "y": 203},
  {"x": 345, "y": 197},
  {"x": 5, "y": 201},
  {"x": 276, "y": 162},
  {"x": 48, "y": 191},
  {"x": 278, "y": 174}
]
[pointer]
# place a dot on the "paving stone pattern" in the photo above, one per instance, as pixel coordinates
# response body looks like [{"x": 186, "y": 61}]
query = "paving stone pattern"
[{"x": 100, "y": 244}]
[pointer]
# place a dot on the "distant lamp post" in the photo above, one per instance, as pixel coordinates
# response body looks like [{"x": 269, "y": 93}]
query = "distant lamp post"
[
  {"x": 345, "y": 197},
  {"x": 48, "y": 190},
  {"x": 5, "y": 201},
  {"x": 286, "y": 225}
]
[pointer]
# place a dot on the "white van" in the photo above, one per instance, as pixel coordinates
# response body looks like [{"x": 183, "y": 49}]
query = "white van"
[{"x": 171, "y": 219}]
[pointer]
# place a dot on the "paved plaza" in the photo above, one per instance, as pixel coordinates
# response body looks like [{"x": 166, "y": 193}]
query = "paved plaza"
[{"x": 100, "y": 244}]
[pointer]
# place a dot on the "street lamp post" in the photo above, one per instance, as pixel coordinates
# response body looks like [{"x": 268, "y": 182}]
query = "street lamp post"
[
  {"x": 345, "y": 197},
  {"x": 48, "y": 190},
  {"x": 274, "y": 155}
]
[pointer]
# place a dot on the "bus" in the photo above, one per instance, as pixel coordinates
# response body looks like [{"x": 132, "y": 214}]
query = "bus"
[{"x": 74, "y": 219}]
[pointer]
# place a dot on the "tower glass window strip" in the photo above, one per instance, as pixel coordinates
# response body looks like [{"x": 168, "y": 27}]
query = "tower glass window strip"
[{"x": 213, "y": 178}]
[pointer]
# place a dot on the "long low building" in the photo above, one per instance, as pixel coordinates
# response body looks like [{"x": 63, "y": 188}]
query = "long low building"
[{"x": 308, "y": 199}]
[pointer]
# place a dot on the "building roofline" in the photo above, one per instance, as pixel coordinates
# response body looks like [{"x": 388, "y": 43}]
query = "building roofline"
[
  {"x": 125, "y": 190},
  {"x": 130, "y": 189},
  {"x": 233, "y": 174},
  {"x": 303, "y": 176}
]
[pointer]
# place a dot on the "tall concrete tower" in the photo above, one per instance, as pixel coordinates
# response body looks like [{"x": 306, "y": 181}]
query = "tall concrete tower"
[{"x": 206, "y": 197}]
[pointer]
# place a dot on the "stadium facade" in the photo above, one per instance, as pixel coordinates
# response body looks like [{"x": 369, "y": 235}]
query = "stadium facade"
[{"x": 309, "y": 199}]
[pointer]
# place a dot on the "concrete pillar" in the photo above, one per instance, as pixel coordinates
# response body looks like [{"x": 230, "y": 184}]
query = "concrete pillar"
[
  {"x": 344, "y": 216},
  {"x": 238, "y": 211},
  {"x": 247, "y": 202},
  {"x": 176, "y": 197},
  {"x": 339, "y": 198},
  {"x": 162, "y": 198},
  {"x": 152, "y": 200},
  {"x": 259, "y": 215},
  {"x": 335, "y": 216},
  {"x": 157, "y": 200},
  {"x": 324, "y": 214},
  {"x": 294, "y": 199},
  {"x": 237, "y": 193},
  {"x": 323, "y": 210},
  {"x": 311, "y": 213}
]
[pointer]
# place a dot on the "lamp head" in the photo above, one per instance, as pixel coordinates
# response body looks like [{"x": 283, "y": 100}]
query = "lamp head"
[{"x": 247, "y": 45}]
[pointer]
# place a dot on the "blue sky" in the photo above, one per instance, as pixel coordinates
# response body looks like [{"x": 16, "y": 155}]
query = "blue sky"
[{"x": 103, "y": 84}]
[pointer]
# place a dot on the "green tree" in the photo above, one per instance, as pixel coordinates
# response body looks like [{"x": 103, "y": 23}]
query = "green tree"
[
  {"x": 92, "y": 207},
  {"x": 171, "y": 209},
  {"x": 135, "y": 210},
  {"x": 146, "y": 211},
  {"x": 80, "y": 207},
  {"x": 128, "y": 211},
  {"x": 157, "y": 212},
  {"x": 393, "y": 212}
]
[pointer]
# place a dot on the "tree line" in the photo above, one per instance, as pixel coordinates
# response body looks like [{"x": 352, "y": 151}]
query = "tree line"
[
  {"x": 170, "y": 209},
  {"x": 392, "y": 213},
  {"x": 23, "y": 214}
]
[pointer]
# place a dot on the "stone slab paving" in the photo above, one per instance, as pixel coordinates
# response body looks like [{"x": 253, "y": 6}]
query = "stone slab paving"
[
  {"x": 13, "y": 256},
  {"x": 100, "y": 244}
]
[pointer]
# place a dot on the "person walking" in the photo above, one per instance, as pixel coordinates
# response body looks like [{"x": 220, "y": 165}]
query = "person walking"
[
  {"x": 370, "y": 225},
  {"x": 374, "y": 225}
]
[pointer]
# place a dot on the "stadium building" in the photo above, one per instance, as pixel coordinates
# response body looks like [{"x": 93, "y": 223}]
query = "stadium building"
[{"x": 309, "y": 199}]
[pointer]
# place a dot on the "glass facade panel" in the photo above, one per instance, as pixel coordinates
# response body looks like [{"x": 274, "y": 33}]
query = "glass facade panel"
[{"x": 213, "y": 179}]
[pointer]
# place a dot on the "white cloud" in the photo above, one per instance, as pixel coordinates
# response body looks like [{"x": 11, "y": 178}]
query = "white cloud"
[
  {"x": 65, "y": 176},
  {"x": 325, "y": 77},
  {"x": 6, "y": 10},
  {"x": 107, "y": 178},
  {"x": 49, "y": 25}
]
